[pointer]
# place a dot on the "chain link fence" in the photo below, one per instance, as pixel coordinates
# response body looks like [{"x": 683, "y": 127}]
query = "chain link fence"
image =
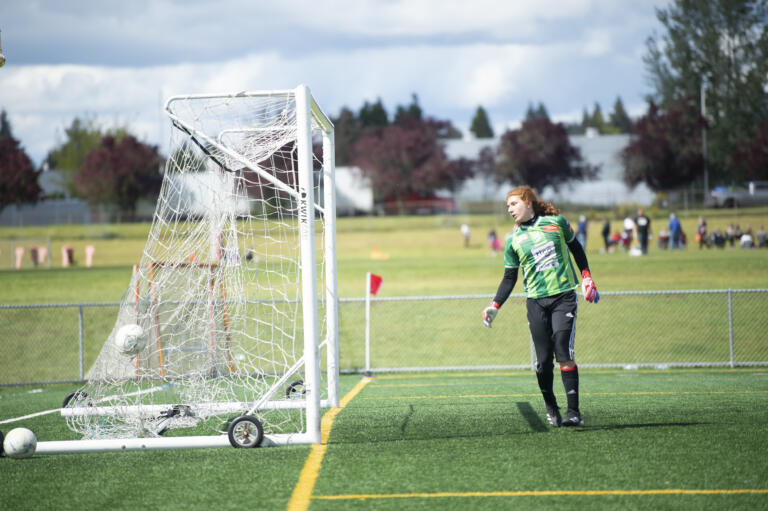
[{"x": 58, "y": 343}]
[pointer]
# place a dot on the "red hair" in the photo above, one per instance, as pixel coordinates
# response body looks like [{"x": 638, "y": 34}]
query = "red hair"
[{"x": 528, "y": 194}]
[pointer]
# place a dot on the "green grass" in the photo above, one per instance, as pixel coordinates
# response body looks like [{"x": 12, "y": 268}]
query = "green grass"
[{"x": 467, "y": 434}]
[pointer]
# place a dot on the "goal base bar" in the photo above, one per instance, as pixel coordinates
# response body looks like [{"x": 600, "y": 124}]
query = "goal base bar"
[{"x": 160, "y": 443}]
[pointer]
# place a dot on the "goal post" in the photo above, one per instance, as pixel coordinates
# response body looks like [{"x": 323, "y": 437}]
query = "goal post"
[{"x": 235, "y": 298}]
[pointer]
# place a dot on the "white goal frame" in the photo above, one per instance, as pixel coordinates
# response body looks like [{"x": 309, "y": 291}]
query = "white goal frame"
[{"x": 308, "y": 114}]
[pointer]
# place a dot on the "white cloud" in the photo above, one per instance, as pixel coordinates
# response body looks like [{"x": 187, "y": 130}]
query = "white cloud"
[{"x": 455, "y": 55}]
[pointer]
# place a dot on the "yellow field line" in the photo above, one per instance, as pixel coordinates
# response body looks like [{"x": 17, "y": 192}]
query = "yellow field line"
[
  {"x": 544, "y": 493},
  {"x": 585, "y": 394},
  {"x": 302, "y": 492}
]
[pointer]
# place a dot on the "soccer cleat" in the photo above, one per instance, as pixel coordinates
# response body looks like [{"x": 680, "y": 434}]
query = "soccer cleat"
[
  {"x": 553, "y": 416},
  {"x": 573, "y": 418}
]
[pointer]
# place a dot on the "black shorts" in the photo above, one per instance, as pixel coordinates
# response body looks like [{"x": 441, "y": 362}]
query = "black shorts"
[{"x": 552, "y": 321}]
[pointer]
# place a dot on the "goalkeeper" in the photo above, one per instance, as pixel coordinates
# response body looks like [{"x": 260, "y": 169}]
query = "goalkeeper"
[{"x": 540, "y": 245}]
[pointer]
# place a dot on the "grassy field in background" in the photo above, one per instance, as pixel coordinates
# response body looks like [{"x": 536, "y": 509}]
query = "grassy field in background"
[{"x": 415, "y": 255}]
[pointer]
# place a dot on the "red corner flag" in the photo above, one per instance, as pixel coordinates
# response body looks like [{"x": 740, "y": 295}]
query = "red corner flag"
[{"x": 375, "y": 284}]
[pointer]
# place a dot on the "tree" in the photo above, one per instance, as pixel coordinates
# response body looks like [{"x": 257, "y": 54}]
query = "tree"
[
  {"x": 722, "y": 45},
  {"x": 620, "y": 118},
  {"x": 82, "y": 137},
  {"x": 481, "y": 125},
  {"x": 411, "y": 112},
  {"x": 373, "y": 115},
  {"x": 120, "y": 172},
  {"x": 539, "y": 112},
  {"x": 18, "y": 177},
  {"x": 665, "y": 150},
  {"x": 5, "y": 125},
  {"x": 401, "y": 160},
  {"x": 539, "y": 154},
  {"x": 751, "y": 156},
  {"x": 347, "y": 130}
]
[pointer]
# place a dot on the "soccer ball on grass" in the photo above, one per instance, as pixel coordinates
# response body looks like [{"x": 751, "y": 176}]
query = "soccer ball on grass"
[
  {"x": 19, "y": 443},
  {"x": 130, "y": 339}
]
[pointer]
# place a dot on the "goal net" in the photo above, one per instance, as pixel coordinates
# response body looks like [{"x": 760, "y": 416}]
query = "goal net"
[{"x": 235, "y": 294}]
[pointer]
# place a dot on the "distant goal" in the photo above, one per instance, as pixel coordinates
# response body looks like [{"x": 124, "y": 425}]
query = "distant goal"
[{"x": 235, "y": 296}]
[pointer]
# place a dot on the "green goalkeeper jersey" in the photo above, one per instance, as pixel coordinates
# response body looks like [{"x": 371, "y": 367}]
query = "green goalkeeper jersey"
[{"x": 540, "y": 249}]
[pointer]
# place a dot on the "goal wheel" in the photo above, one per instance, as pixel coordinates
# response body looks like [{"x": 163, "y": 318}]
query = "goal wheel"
[
  {"x": 245, "y": 431},
  {"x": 295, "y": 389},
  {"x": 80, "y": 398},
  {"x": 2, "y": 438}
]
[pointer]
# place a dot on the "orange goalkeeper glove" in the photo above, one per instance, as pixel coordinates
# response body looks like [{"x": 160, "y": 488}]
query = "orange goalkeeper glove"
[{"x": 589, "y": 288}]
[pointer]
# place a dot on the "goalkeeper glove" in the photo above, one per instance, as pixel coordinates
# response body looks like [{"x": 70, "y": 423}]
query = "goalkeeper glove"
[
  {"x": 489, "y": 313},
  {"x": 589, "y": 288}
]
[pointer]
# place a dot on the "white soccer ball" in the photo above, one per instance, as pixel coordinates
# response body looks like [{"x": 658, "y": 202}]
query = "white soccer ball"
[
  {"x": 130, "y": 339},
  {"x": 20, "y": 443}
]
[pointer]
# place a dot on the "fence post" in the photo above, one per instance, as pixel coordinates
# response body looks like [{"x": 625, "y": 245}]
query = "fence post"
[
  {"x": 730, "y": 324},
  {"x": 81, "y": 340},
  {"x": 368, "y": 324}
]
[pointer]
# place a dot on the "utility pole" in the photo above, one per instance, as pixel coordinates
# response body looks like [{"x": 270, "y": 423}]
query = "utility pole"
[{"x": 704, "y": 137}]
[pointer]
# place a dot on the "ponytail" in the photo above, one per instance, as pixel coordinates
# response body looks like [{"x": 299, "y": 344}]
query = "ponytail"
[{"x": 540, "y": 207}]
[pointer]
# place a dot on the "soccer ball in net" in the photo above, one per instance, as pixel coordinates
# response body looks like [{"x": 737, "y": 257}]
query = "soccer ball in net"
[
  {"x": 130, "y": 339},
  {"x": 19, "y": 443}
]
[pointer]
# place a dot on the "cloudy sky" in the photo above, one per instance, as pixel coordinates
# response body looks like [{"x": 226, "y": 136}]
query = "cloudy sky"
[{"x": 118, "y": 61}]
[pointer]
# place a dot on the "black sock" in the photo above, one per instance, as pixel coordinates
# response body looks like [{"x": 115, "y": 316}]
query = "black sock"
[
  {"x": 546, "y": 376},
  {"x": 571, "y": 384}
]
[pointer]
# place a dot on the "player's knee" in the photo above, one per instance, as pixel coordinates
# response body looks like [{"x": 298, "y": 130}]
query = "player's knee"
[{"x": 546, "y": 365}]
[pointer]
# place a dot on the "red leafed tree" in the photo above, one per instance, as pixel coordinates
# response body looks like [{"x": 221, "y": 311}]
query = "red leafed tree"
[
  {"x": 18, "y": 177},
  {"x": 406, "y": 159},
  {"x": 665, "y": 150},
  {"x": 120, "y": 172},
  {"x": 539, "y": 154}
]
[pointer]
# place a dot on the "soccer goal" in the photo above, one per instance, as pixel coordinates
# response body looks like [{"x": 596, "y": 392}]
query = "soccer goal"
[{"x": 227, "y": 333}]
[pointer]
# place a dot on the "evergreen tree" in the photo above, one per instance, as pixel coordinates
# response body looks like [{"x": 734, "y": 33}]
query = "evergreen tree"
[
  {"x": 481, "y": 125},
  {"x": 373, "y": 115},
  {"x": 5, "y": 126},
  {"x": 347, "y": 130},
  {"x": 541, "y": 112},
  {"x": 619, "y": 117},
  {"x": 410, "y": 113}
]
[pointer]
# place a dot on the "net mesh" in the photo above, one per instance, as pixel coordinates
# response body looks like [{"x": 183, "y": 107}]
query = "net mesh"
[{"x": 218, "y": 292}]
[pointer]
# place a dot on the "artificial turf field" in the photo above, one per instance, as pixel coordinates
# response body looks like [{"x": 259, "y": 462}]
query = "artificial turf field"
[{"x": 652, "y": 439}]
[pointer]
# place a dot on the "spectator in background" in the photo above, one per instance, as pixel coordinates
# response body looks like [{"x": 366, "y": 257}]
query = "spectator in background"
[
  {"x": 701, "y": 232},
  {"x": 606, "y": 232},
  {"x": 493, "y": 241},
  {"x": 730, "y": 234},
  {"x": 717, "y": 238},
  {"x": 675, "y": 229},
  {"x": 760, "y": 238},
  {"x": 746, "y": 240},
  {"x": 629, "y": 228},
  {"x": 465, "y": 234},
  {"x": 643, "y": 224},
  {"x": 581, "y": 235}
]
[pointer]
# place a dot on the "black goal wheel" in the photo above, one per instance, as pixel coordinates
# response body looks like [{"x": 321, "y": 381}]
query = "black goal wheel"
[
  {"x": 2, "y": 438},
  {"x": 245, "y": 432},
  {"x": 80, "y": 398},
  {"x": 295, "y": 390}
]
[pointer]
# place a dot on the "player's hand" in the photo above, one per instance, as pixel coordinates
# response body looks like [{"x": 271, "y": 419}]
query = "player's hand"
[
  {"x": 489, "y": 313},
  {"x": 589, "y": 288}
]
